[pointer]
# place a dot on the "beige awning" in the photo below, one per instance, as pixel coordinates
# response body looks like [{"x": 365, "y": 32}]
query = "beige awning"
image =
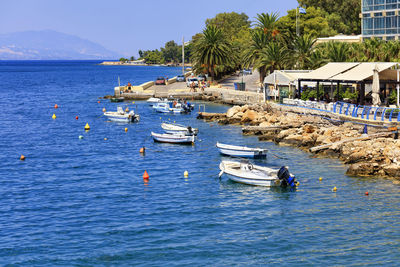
[
  {"x": 363, "y": 71},
  {"x": 329, "y": 70}
]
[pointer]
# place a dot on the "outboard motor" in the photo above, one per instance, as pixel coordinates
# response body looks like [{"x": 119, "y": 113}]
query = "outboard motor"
[
  {"x": 286, "y": 178},
  {"x": 190, "y": 130}
]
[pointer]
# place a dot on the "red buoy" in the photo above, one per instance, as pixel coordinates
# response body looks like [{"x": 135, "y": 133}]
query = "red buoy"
[
  {"x": 55, "y": 106},
  {"x": 76, "y": 117},
  {"x": 98, "y": 101},
  {"x": 366, "y": 193},
  {"x": 145, "y": 175}
]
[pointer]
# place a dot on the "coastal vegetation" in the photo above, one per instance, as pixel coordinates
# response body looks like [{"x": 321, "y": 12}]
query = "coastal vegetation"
[{"x": 268, "y": 42}]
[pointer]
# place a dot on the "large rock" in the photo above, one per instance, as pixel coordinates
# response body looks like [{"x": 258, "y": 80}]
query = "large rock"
[
  {"x": 232, "y": 111},
  {"x": 238, "y": 116},
  {"x": 308, "y": 128},
  {"x": 392, "y": 170},
  {"x": 363, "y": 168},
  {"x": 249, "y": 115}
]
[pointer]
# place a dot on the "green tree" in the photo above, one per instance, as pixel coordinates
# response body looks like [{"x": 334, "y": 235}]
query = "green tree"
[
  {"x": 132, "y": 58},
  {"x": 154, "y": 57},
  {"x": 122, "y": 59},
  {"x": 314, "y": 22},
  {"x": 211, "y": 50},
  {"x": 303, "y": 49},
  {"x": 275, "y": 56},
  {"x": 347, "y": 10},
  {"x": 252, "y": 54},
  {"x": 337, "y": 51},
  {"x": 171, "y": 52}
]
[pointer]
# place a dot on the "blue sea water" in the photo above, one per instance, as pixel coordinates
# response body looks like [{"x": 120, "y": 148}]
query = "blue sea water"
[{"x": 83, "y": 201}]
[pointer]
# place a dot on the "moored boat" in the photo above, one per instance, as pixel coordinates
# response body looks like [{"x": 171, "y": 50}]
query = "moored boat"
[
  {"x": 173, "y": 138},
  {"x": 241, "y": 151},
  {"x": 117, "y": 99},
  {"x": 174, "y": 128},
  {"x": 152, "y": 100},
  {"x": 247, "y": 173},
  {"x": 122, "y": 116}
]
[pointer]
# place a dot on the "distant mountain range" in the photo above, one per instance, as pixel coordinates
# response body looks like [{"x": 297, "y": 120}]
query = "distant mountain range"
[{"x": 36, "y": 45}]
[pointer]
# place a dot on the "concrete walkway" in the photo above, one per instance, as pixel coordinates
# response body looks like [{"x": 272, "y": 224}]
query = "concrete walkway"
[{"x": 252, "y": 81}]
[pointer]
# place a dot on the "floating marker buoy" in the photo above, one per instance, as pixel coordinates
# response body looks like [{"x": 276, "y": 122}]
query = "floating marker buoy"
[
  {"x": 127, "y": 109},
  {"x": 104, "y": 109},
  {"x": 297, "y": 183},
  {"x": 76, "y": 117},
  {"x": 98, "y": 101},
  {"x": 145, "y": 175},
  {"x": 81, "y": 137},
  {"x": 160, "y": 118},
  {"x": 142, "y": 150},
  {"x": 56, "y": 106},
  {"x": 105, "y": 138},
  {"x": 126, "y": 129},
  {"x": 366, "y": 193},
  {"x": 334, "y": 189},
  {"x": 186, "y": 174},
  {"x": 54, "y": 116},
  {"x": 87, "y": 127},
  {"x": 22, "y": 158},
  {"x": 320, "y": 179},
  {"x": 174, "y": 121},
  {"x": 133, "y": 102}
]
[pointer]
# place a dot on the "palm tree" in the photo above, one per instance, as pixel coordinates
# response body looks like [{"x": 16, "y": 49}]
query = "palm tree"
[
  {"x": 267, "y": 23},
  {"x": 337, "y": 51},
  {"x": 252, "y": 54},
  {"x": 211, "y": 50},
  {"x": 317, "y": 59},
  {"x": 303, "y": 48},
  {"x": 274, "y": 56}
]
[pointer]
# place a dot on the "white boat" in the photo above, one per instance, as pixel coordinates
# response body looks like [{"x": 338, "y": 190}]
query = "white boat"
[
  {"x": 173, "y": 138},
  {"x": 241, "y": 151},
  {"x": 174, "y": 128},
  {"x": 247, "y": 173},
  {"x": 152, "y": 100},
  {"x": 162, "y": 107},
  {"x": 122, "y": 116}
]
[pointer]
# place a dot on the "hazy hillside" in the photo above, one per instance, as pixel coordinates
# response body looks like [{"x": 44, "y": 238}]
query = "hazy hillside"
[{"x": 50, "y": 45}]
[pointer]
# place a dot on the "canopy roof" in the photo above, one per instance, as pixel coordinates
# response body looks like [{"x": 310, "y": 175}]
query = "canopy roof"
[{"x": 351, "y": 72}]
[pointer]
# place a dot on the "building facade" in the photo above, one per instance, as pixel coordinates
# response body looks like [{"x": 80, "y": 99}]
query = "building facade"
[{"x": 380, "y": 19}]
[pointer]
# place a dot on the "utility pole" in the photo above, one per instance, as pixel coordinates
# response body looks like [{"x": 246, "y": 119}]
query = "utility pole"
[
  {"x": 183, "y": 55},
  {"x": 297, "y": 23}
]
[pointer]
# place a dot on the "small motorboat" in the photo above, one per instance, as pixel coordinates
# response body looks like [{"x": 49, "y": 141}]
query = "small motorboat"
[
  {"x": 246, "y": 173},
  {"x": 174, "y": 128},
  {"x": 152, "y": 100},
  {"x": 173, "y": 138},
  {"x": 117, "y": 99},
  {"x": 162, "y": 107},
  {"x": 241, "y": 151},
  {"x": 122, "y": 116}
]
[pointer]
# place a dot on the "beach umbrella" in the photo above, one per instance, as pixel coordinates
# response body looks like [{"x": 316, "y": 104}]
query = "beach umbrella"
[{"x": 376, "y": 100}]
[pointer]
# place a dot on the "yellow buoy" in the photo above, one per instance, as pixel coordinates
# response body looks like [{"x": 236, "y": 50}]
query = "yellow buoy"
[
  {"x": 334, "y": 189},
  {"x": 22, "y": 157},
  {"x": 320, "y": 179},
  {"x": 126, "y": 129},
  {"x": 87, "y": 127},
  {"x": 186, "y": 174},
  {"x": 133, "y": 102},
  {"x": 105, "y": 138},
  {"x": 54, "y": 116},
  {"x": 104, "y": 109},
  {"x": 127, "y": 109}
]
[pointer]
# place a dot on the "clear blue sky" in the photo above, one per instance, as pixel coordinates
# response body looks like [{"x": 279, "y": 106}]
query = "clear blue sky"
[{"x": 125, "y": 26}]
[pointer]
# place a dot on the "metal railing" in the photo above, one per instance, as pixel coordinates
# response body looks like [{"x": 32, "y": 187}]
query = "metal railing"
[{"x": 383, "y": 114}]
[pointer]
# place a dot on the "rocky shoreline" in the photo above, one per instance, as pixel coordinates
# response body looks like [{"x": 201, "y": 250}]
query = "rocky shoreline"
[{"x": 375, "y": 154}]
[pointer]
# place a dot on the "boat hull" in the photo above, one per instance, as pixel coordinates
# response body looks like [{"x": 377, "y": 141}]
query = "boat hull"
[
  {"x": 259, "y": 176},
  {"x": 122, "y": 118},
  {"x": 244, "y": 152},
  {"x": 173, "y": 138}
]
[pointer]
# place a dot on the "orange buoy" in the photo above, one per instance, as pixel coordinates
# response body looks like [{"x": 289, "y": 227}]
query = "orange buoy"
[
  {"x": 126, "y": 129},
  {"x": 76, "y": 117},
  {"x": 98, "y": 101},
  {"x": 366, "y": 193},
  {"x": 22, "y": 157},
  {"x": 55, "y": 106},
  {"x": 145, "y": 175},
  {"x": 142, "y": 150}
]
